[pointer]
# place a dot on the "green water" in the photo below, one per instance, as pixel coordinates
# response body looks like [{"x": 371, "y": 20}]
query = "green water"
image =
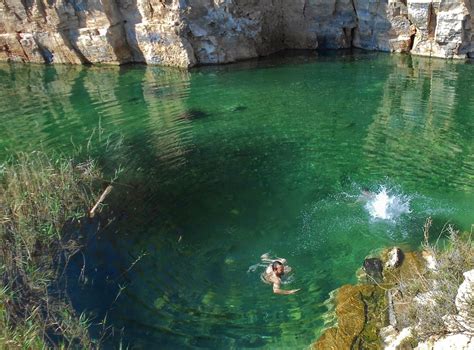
[{"x": 227, "y": 163}]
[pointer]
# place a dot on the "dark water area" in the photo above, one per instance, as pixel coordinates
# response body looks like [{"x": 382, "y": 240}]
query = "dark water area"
[{"x": 224, "y": 164}]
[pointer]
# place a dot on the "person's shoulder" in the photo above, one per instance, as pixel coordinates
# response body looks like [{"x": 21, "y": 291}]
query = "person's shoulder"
[{"x": 269, "y": 276}]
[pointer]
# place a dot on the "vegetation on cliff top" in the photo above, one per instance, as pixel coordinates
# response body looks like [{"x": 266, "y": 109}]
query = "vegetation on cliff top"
[{"x": 432, "y": 292}]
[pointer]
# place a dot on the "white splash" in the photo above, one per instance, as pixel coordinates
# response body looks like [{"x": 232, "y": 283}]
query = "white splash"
[{"x": 386, "y": 206}]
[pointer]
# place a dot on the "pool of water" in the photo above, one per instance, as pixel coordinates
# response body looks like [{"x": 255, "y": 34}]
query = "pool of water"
[{"x": 224, "y": 164}]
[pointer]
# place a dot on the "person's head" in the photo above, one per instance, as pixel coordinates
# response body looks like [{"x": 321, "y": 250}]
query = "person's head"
[
  {"x": 278, "y": 268},
  {"x": 366, "y": 191}
]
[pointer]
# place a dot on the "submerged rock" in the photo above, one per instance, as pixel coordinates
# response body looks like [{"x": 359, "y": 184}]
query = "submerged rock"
[
  {"x": 193, "y": 114},
  {"x": 238, "y": 108},
  {"x": 359, "y": 311}
]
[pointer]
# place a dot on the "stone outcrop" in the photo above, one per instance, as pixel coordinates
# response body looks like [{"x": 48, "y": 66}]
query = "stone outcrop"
[
  {"x": 373, "y": 314},
  {"x": 460, "y": 326},
  {"x": 443, "y": 28},
  {"x": 365, "y": 312},
  {"x": 189, "y": 32},
  {"x": 448, "y": 342},
  {"x": 394, "y": 258}
]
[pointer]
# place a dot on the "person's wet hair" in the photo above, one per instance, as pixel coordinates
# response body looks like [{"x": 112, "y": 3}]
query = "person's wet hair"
[{"x": 275, "y": 264}]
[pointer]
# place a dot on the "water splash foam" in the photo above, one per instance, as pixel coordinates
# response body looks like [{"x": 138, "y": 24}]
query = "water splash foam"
[{"x": 386, "y": 206}]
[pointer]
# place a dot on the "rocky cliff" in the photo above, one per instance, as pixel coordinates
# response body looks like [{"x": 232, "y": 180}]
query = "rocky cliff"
[{"x": 189, "y": 32}]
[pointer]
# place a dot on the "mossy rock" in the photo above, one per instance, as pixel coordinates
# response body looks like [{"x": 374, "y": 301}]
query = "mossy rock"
[
  {"x": 361, "y": 310},
  {"x": 413, "y": 265},
  {"x": 360, "y": 314}
]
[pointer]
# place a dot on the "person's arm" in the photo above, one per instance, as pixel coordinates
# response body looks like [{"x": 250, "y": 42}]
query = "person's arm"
[{"x": 277, "y": 290}]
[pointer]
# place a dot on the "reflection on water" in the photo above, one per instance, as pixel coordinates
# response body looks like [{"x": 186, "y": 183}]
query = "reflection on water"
[
  {"x": 224, "y": 163},
  {"x": 420, "y": 113}
]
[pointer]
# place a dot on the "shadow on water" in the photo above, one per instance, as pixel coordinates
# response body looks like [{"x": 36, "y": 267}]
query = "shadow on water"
[
  {"x": 139, "y": 207},
  {"x": 221, "y": 163},
  {"x": 193, "y": 114}
]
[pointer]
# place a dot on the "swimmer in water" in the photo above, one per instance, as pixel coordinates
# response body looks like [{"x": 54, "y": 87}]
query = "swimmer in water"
[
  {"x": 365, "y": 195},
  {"x": 273, "y": 274}
]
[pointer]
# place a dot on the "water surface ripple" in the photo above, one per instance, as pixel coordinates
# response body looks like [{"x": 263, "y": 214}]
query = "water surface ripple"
[{"x": 227, "y": 163}]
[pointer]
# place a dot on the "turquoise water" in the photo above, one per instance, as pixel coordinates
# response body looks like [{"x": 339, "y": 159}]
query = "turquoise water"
[{"x": 227, "y": 163}]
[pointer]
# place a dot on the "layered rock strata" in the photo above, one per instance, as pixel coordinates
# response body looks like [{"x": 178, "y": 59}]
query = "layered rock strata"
[{"x": 189, "y": 32}]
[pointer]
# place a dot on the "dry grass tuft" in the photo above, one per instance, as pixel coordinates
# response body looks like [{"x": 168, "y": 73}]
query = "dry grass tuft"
[
  {"x": 40, "y": 201},
  {"x": 431, "y": 294}
]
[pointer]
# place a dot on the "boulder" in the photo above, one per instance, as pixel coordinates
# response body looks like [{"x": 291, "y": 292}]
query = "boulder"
[
  {"x": 392, "y": 339},
  {"x": 373, "y": 267},
  {"x": 449, "y": 342},
  {"x": 394, "y": 258}
]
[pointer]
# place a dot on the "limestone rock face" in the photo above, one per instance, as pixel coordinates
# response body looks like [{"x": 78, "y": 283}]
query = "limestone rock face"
[
  {"x": 188, "y": 32},
  {"x": 444, "y": 28},
  {"x": 448, "y": 342},
  {"x": 465, "y": 300},
  {"x": 383, "y": 25}
]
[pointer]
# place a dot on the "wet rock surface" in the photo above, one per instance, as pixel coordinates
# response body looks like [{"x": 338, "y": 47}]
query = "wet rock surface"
[{"x": 360, "y": 314}]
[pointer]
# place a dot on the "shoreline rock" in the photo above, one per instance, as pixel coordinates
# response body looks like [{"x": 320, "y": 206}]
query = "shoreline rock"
[
  {"x": 359, "y": 310},
  {"x": 373, "y": 314}
]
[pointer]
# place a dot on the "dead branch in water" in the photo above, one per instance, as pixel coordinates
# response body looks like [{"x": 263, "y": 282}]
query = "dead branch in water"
[{"x": 101, "y": 199}]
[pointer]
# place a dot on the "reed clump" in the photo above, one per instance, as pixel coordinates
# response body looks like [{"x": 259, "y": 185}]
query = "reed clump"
[
  {"x": 431, "y": 294},
  {"x": 43, "y": 202}
]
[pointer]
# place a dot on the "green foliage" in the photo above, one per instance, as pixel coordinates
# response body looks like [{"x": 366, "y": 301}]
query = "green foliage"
[{"x": 40, "y": 199}]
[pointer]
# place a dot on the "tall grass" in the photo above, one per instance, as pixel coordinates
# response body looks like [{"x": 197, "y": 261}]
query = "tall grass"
[
  {"x": 43, "y": 202},
  {"x": 432, "y": 293}
]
